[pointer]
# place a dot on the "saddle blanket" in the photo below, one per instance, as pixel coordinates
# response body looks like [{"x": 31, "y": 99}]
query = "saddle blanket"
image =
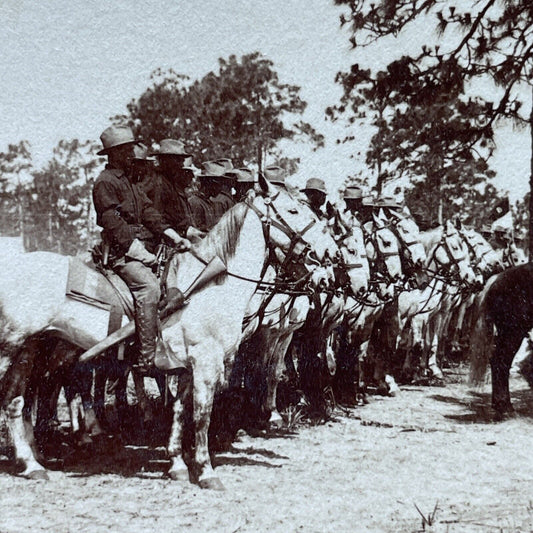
[{"x": 89, "y": 286}]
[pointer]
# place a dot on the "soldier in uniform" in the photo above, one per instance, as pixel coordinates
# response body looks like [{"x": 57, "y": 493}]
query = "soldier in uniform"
[
  {"x": 168, "y": 189},
  {"x": 132, "y": 228},
  {"x": 143, "y": 168},
  {"x": 353, "y": 198},
  {"x": 243, "y": 182},
  {"x": 316, "y": 193},
  {"x": 216, "y": 185}
]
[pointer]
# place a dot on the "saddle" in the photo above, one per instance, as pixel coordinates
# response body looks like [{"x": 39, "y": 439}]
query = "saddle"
[{"x": 101, "y": 288}]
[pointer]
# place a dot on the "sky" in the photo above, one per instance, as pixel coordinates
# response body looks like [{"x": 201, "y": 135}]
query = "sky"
[{"x": 70, "y": 65}]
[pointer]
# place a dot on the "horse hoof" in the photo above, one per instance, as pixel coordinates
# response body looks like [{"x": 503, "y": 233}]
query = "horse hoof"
[
  {"x": 211, "y": 483},
  {"x": 178, "y": 475},
  {"x": 38, "y": 475}
]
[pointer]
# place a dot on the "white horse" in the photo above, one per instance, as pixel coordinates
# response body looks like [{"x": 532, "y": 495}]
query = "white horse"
[
  {"x": 362, "y": 311},
  {"x": 485, "y": 262},
  {"x": 205, "y": 334},
  {"x": 286, "y": 314},
  {"x": 425, "y": 311}
]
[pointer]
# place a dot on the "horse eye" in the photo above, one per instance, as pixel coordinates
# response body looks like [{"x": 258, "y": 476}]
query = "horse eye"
[{"x": 293, "y": 211}]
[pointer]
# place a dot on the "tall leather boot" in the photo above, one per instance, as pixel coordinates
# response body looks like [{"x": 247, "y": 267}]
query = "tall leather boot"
[{"x": 146, "y": 325}]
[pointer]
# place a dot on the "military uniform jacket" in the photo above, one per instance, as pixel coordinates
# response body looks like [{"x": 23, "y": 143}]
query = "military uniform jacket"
[
  {"x": 222, "y": 202},
  {"x": 171, "y": 201},
  {"x": 125, "y": 212},
  {"x": 203, "y": 213}
]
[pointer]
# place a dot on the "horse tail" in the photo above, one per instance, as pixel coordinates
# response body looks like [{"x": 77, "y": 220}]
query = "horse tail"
[{"x": 482, "y": 339}]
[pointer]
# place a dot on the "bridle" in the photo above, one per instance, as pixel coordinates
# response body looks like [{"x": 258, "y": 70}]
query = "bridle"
[
  {"x": 444, "y": 270},
  {"x": 407, "y": 257},
  {"x": 381, "y": 272},
  {"x": 475, "y": 255}
]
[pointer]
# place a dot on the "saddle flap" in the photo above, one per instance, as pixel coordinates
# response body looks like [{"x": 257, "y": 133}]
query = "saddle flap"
[{"x": 93, "y": 288}]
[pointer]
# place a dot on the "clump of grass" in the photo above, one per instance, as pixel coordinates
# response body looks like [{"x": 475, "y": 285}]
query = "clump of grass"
[
  {"x": 428, "y": 520},
  {"x": 293, "y": 416}
]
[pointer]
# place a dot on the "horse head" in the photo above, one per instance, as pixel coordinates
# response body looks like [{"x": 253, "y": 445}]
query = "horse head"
[
  {"x": 408, "y": 233},
  {"x": 295, "y": 234},
  {"x": 450, "y": 254},
  {"x": 355, "y": 261},
  {"x": 512, "y": 256},
  {"x": 384, "y": 249},
  {"x": 485, "y": 259}
]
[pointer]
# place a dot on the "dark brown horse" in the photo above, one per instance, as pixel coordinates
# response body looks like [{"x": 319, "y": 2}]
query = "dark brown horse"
[{"x": 505, "y": 315}]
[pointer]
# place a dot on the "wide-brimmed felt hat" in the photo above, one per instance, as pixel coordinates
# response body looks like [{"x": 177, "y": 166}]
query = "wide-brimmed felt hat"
[
  {"x": 315, "y": 184},
  {"x": 226, "y": 162},
  {"x": 171, "y": 147},
  {"x": 368, "y": 201},
  {"x": 274, "y": 174},
  {"x": 387, "y": 201},
  {"x": 215, "y": 170},
  {"x": 353, "y": 193},
  {"x": 140, "y": 152},
  {"x": 242, "y": 175},
  {"x": 114, "y": 136}
]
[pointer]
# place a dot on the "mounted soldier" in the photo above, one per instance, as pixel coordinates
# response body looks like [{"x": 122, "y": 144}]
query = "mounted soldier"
[
  {"x": 167, "y": 189},
  {"x": 243, "y": 183},
  {"x": 214, "y": 197},
  {"x": 132, "y": 228},
  {"x": 143, "y": 168},
  {"x": 316, "y": 194}
]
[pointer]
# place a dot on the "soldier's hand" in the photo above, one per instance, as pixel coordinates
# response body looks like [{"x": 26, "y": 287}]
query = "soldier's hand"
[
  {"x": 138, "y": 252},
  {"x": 183, "y": 245},
  {"x": 194, "y": 234}
]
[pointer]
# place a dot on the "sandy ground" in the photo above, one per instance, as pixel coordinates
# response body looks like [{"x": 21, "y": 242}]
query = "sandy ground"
[{"x": 433, "y": 447}]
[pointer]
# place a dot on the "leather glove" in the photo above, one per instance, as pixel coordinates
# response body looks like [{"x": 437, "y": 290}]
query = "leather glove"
[
  {"x": 181, "y": 244},
  {"x": 138, "y": 252}
]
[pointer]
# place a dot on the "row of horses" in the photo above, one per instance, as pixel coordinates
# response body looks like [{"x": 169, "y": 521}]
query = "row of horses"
[{"x": 331, "y": 304}]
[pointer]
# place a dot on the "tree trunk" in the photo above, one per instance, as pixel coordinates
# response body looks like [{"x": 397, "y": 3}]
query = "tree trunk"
[
  {"x": 440, "y": 218},
  {"x": 530, "y": 225},
  {"x": 260, "y": 156}
]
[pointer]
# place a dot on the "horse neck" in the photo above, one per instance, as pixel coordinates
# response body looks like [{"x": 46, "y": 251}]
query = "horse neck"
[{"x": 237, "y": 239}]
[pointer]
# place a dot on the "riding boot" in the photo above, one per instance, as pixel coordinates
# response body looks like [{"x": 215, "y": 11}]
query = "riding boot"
[{"x": 146, "y": 323}]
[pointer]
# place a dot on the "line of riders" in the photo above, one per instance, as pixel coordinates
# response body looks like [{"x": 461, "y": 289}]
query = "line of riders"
[
  {"x": 329, "y": 299},
  {"x": 142, "y": 197}
]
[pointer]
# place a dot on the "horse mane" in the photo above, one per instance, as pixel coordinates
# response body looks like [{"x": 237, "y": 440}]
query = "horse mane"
[{"x": 223, "y": 238}]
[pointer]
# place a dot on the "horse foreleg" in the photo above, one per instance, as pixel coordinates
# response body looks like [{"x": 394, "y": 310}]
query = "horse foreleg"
[
  {"x": 100, "y": 379},
  {"x": 181, "y": 408},
  {"x": 434, "y": 342},
  {"x": 84, "y": 378},
  {"x": 205, "y": 379}
]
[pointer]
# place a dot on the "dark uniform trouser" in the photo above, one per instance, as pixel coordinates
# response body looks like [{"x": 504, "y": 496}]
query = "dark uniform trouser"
[{"x": 144, "y": 286}]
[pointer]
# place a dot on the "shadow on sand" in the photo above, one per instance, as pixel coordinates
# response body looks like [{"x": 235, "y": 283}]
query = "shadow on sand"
[
  {"x": 133, "y": 448},
  {"x": 477, "y": 407}
]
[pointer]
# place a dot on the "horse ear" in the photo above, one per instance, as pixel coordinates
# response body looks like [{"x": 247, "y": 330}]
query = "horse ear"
[
  {"x": 264, "y": 184},
  {"x": 450, "y": 228},
  {"x": 378, "y": 220}
]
